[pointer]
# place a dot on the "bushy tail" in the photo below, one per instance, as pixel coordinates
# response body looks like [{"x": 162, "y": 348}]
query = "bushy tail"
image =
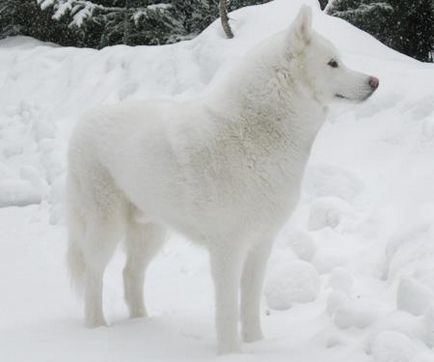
[
  {"x": 75, "y": 260},
  {"x": 76, "y": 267}
]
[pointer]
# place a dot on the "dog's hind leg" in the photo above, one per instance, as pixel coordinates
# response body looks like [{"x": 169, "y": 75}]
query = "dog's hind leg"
[
  {"x": 100, "y": 242},
  {"x": 99, "y": 207},
  {"x": 251, "y": 291},
  {"x": 143, "y": 240}
]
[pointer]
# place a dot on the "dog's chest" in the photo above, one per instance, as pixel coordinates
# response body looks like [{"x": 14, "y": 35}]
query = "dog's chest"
[{"x": 246, "y": 180}]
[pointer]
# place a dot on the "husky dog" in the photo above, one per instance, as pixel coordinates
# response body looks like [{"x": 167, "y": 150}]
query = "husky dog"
[{"x": 224, "y": 170}]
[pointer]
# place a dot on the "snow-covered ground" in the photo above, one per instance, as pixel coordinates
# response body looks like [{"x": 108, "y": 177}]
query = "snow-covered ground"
[{"x": 352, "y": 275}]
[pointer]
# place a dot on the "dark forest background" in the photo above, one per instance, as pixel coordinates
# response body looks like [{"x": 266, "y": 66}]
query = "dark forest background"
[{"x": 406, "y": 26}]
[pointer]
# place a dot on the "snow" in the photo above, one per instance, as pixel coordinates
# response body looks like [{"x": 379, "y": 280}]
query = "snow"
[
  {"x": 291, "y": 282},
  {"x": 328, "y": 212},
  {"x": 352, "y": 273},
  {"x": 392, "y": 347},
  {"x": 341, "y": 280},
  {"x": 18, "y": 193},
  {"x": 354, "y": 314},
  {"x": 301, "y": 243},
  {"x": 413, "y": 297}
]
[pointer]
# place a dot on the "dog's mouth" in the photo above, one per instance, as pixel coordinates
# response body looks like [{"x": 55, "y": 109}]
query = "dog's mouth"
[{"x": 357, "y": 100}]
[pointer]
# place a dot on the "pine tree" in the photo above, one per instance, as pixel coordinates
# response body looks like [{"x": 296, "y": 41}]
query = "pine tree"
[
  {"x": 412, "y": 25},
  {"x": 236, "y": 4},
  {"x": 323, "y": 4},
  {"x": 100, "y": 23},
  {"x": 8, "y": 21},
  {"x": 24, "y": 17},
  {"x": 195, "y": 15},
  {"x": 406, "y": 26},
  {"x": 198, "y": 14},
  {"x": 368, "y": 15}
]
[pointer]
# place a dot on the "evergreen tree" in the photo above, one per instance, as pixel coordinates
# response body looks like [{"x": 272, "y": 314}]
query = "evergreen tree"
[
  {"x": 406, "y": 26},
  {"x": 198, "y": 14},
  {"x": 195, "y": 15},
  {"x": 368, "y": 15},
  {"x": 8, "y": 21},
  {"x": 412, "y": 28},
  {"x": 24, "y": 17},
  {"x": 99, "y": 23},
  {"x": 323, "y": 4}
]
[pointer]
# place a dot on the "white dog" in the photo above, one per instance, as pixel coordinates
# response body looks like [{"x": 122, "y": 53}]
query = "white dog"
[{"x": 225, "y": 170}]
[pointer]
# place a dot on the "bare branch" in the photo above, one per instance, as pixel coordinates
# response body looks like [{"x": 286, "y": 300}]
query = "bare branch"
[{"x": 225, "y": 19}]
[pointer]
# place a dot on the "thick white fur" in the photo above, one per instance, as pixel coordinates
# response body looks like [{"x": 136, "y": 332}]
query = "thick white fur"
[{"x": 224, "y": 170}]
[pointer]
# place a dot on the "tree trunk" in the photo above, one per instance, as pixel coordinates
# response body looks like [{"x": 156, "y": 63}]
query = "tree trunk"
[
  {"x": 223, "y": 10},
  {"x": 126, "y": 35}
]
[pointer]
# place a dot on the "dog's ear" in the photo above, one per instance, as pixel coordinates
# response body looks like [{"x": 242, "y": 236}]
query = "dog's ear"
[{"x": 301, "y": 29}]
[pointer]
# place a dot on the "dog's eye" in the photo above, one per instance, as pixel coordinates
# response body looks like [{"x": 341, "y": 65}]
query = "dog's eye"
[{"x": 333, "y": 63}]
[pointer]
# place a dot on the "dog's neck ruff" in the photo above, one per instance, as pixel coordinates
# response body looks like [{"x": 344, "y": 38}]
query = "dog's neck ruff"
[{"x": 273, "y": 95}]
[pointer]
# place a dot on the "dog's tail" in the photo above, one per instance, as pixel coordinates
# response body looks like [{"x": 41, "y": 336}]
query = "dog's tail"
[
  {"x": 76, "y": 267},
  {"x": 75, "y": 260}
]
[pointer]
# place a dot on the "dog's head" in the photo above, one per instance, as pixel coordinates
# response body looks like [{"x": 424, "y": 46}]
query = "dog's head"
[{"x": 322, "y": 68}]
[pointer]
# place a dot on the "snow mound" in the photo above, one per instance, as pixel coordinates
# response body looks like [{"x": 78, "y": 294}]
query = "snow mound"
[
  {"x": 18, "y": 193},
  {"x": 342, "y": 280},
  {"x": 328, "y": 212},
  {"x": 413, "y": 297},
  {"x": 350, "y": 313},
  {"x": 327, "y": 180},
  {"x": 354, "y": 314},
  {"x": 428, "y": 322},
  {"x": 292, "y": 283},
  {"x": 301, "y": 243},
  {"x": 393, "y": 347}
]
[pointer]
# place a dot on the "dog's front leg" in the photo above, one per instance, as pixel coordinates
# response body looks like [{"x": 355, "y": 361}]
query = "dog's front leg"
[
  {"x": 226, "y": 267},
  {"x": 251, "y": 291}
]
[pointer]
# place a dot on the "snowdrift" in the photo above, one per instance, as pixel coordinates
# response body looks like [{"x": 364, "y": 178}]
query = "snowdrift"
[{"x": 352, "y": 275}]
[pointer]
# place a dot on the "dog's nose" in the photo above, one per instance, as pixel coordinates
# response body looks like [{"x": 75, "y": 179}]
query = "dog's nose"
[{"x": 374, "y": 82}]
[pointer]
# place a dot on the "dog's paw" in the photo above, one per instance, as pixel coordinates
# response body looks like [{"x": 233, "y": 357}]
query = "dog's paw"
[
  {"x": 251, "y": 336},
  {"x": 96, "y": 322},
  {"x": 138, "y": 313},
  {"x": 228, "y": 348}
]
